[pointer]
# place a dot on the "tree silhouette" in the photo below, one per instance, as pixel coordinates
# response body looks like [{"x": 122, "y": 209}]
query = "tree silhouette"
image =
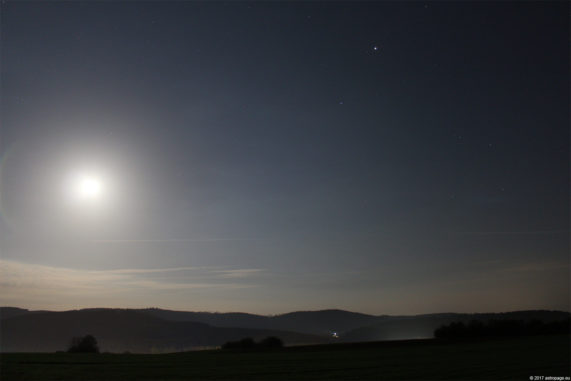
[
  {"x": 503, "y": 328},
  {"x": 271, "y": 342},
  {"x": 86, "y": 344},
  {"x": 246, "y": 343}
]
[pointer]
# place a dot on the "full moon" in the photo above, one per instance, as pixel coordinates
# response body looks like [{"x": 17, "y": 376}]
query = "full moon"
[{"x": 88, "y": 187}]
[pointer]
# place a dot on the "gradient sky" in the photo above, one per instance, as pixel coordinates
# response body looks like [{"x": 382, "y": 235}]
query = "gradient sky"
[{"x": 388, "y": 158}]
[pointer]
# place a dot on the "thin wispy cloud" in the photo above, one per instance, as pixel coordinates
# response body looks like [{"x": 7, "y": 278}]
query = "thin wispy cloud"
[
  {"x": 520, "y": 232},
  {"x": 25, "y": 282},
  {"x": 238, "y": 273},
  {"x": 538, "y": 267},
  {"x": 149, "y": 271},
  {"x": 171, "y": 240}
]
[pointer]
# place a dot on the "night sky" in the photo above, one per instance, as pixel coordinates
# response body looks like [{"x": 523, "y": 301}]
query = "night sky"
[{"x": 266, "y": 157}]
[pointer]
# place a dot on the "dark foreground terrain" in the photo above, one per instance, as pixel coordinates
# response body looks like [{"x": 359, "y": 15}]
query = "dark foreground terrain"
[{"x": 493, "y": 359}]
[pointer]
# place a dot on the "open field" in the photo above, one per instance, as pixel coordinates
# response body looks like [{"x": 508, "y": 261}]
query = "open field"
[{"x": 513, "y": 358}]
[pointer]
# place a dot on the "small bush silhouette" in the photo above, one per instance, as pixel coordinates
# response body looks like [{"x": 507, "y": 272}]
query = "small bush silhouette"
[
  {"x": 271, "y": 342},
  {"x": 247, "y": 343},
  {"x": 86, "y": 344}
]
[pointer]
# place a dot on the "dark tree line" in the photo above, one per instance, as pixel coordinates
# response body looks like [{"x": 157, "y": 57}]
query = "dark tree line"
[
  {"x": 88, "y": 344},
  {"x": 270, "y": 342},
  {"x": 477, "y": 328}
]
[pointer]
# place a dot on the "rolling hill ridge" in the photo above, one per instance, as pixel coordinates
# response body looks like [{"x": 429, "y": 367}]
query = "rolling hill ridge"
[{"x": 157, "y": 330}]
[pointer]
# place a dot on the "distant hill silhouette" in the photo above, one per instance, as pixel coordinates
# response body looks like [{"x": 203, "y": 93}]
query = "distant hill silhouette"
[
  {"x": 157, "y": 330},
  {"x": 7, "y": 312},
  {"x": 314, "y": 322},
  {"x": 120, "y": 330}
]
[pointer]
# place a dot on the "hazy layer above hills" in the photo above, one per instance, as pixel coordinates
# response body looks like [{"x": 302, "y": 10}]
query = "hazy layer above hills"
[{"x": 157, "y": 330}]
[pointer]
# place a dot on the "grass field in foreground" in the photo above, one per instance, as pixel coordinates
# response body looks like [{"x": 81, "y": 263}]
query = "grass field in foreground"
[{"x": 513, "y": 358}]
